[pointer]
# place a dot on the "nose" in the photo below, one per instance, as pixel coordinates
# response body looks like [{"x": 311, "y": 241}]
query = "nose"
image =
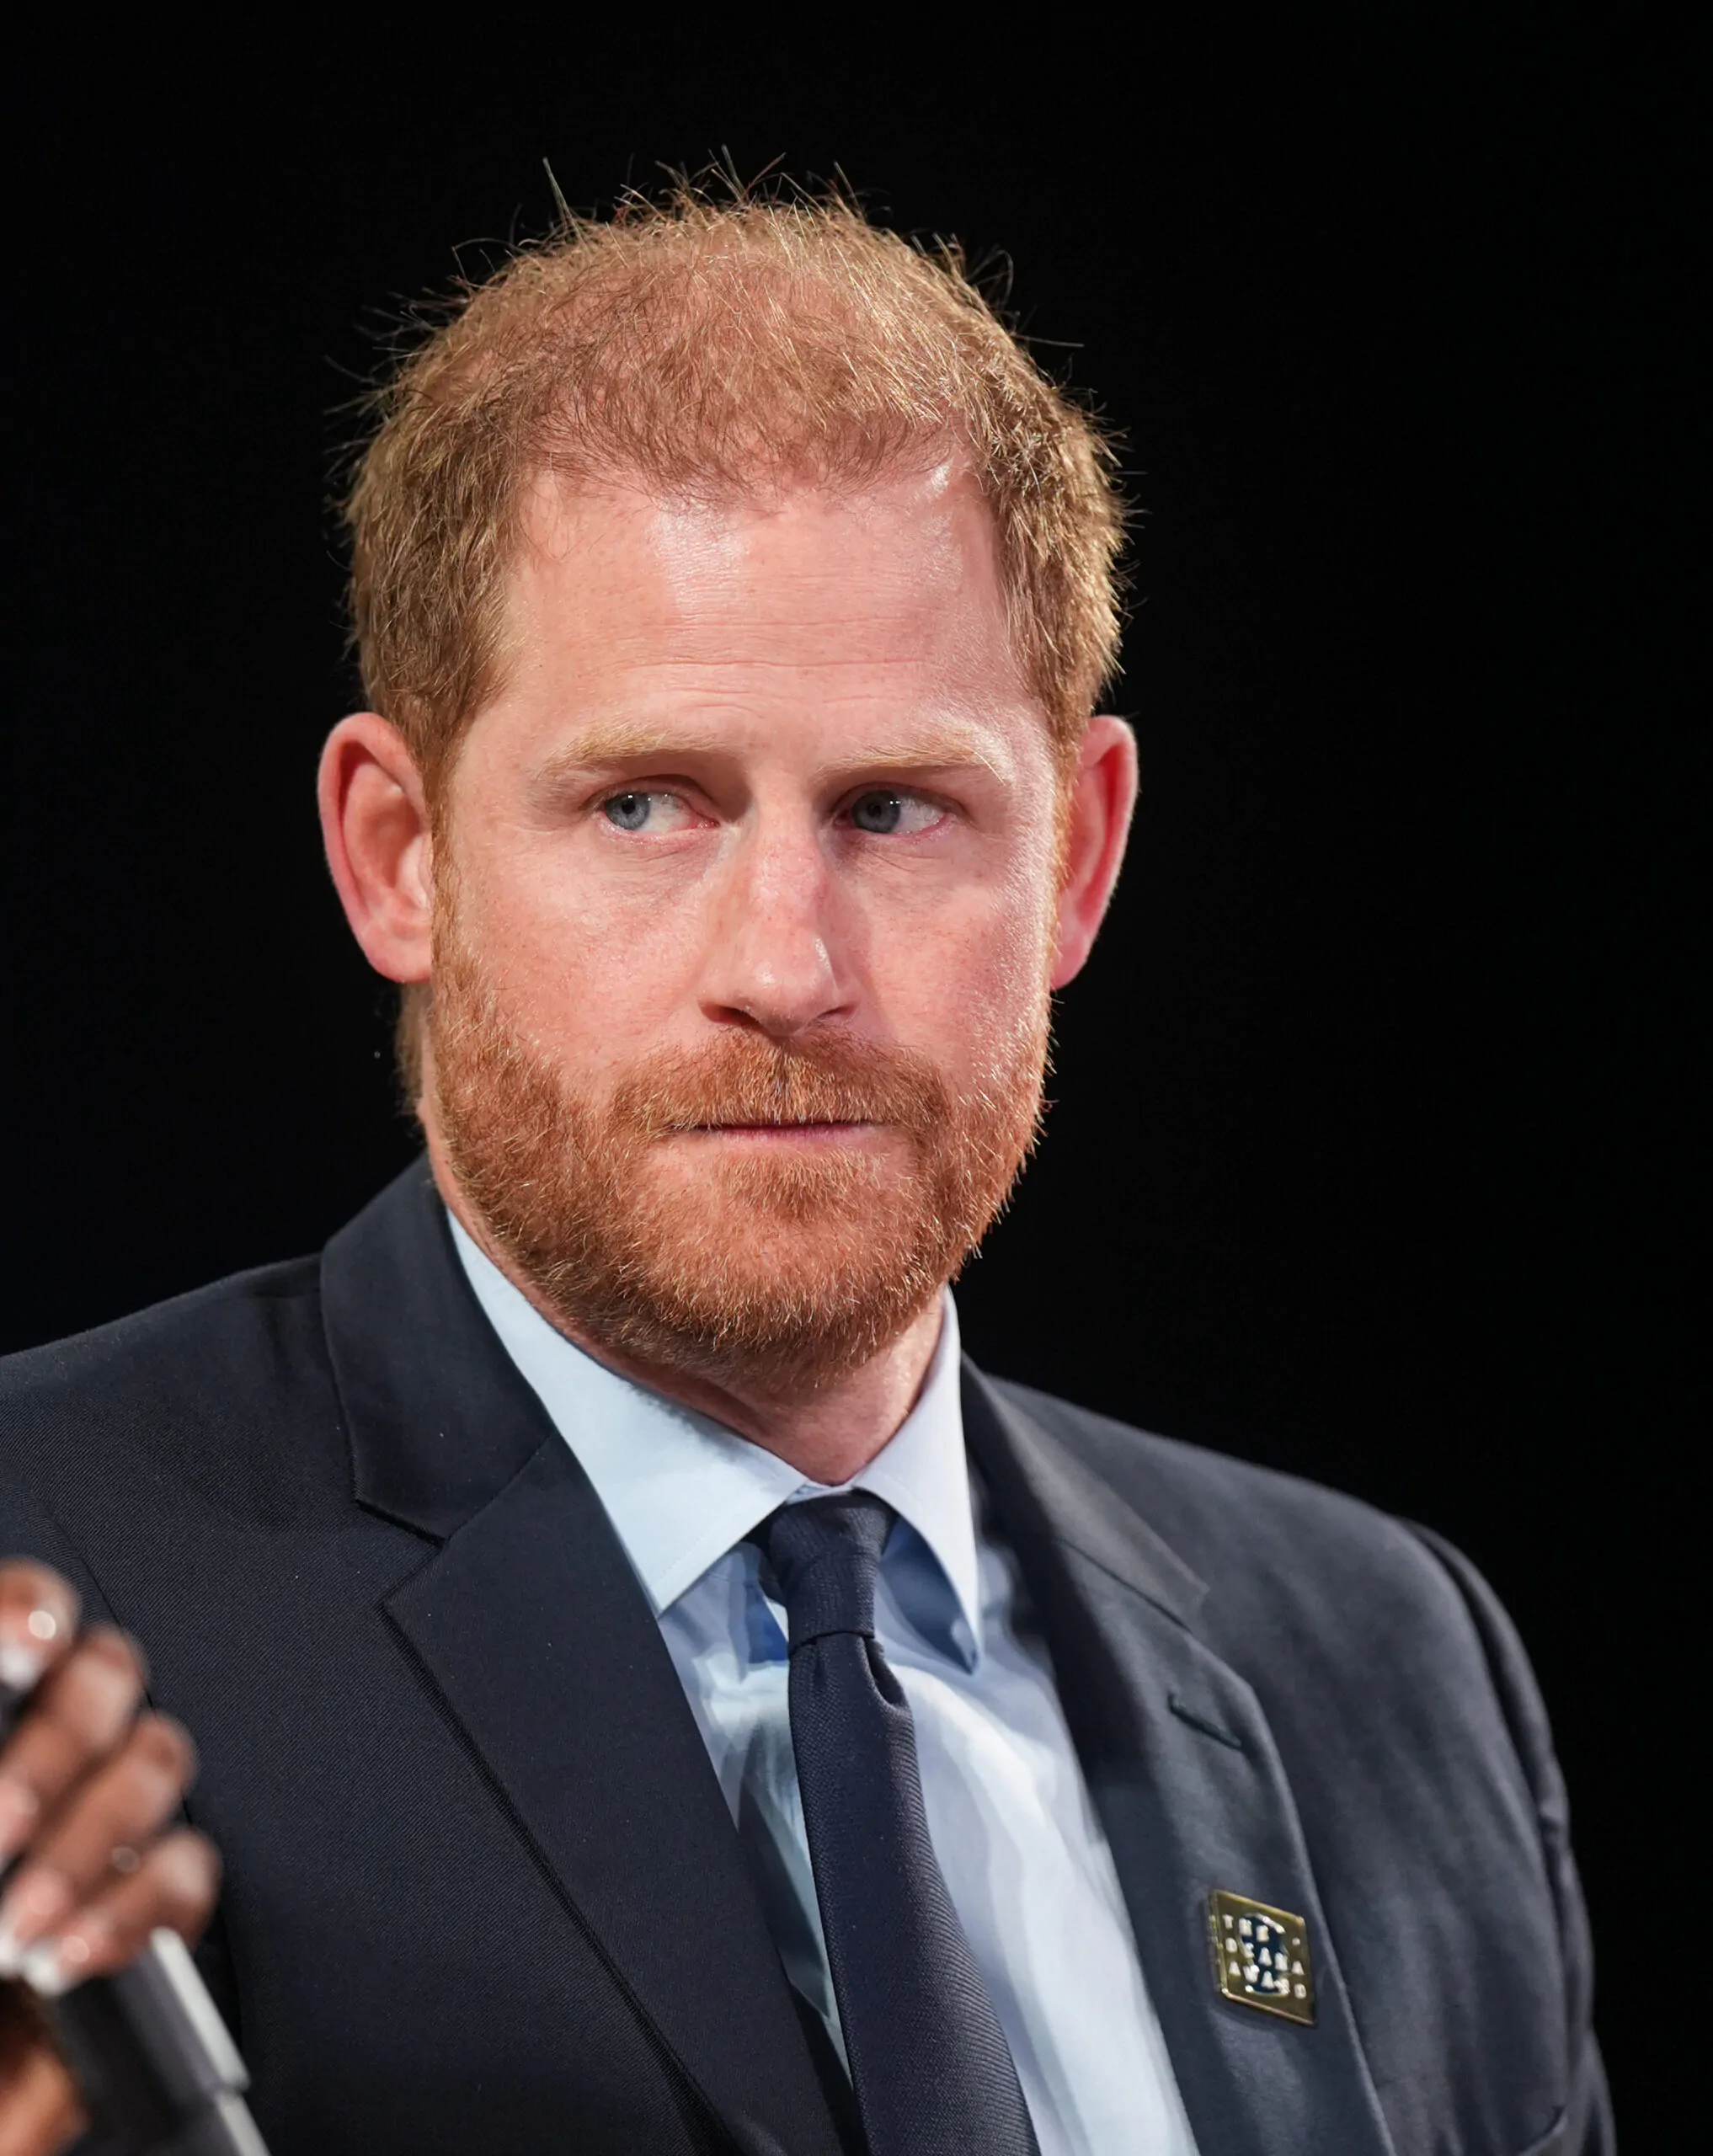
[{"x": 772, "y": 959}]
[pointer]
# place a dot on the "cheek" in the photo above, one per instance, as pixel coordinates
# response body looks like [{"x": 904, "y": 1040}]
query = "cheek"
[
  {"x": 579, "y": 966},
  {"x": 970, "y": 986}
]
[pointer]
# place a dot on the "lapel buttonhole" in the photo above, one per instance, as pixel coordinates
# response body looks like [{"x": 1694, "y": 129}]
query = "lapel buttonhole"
[{"x": 1187, "y": 1714}]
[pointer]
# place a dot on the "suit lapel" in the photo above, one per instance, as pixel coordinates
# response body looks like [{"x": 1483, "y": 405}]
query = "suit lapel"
[
  {"x": 1189, "y": 1805},
  {"x": 530, "y": 1624}
]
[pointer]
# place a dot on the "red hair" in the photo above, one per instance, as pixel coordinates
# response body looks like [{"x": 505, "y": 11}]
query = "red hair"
[{"x": 700, "y": 347}]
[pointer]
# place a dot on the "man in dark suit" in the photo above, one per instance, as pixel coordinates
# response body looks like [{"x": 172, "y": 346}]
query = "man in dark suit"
[{"x": 651, "y": 1695}]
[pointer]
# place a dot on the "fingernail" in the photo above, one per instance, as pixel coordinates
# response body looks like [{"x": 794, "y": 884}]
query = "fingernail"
[
  {"x": 44, "y": 1972},
  {"x": 81, "y": 1948},
  {"x": 53, "y": 1966},
  {"x": 35, "y": 1901},
  {"x": 19, "y": 1666},
  {"x": 22, "y": 1660},
  {"x": 19, "y": 1809}
]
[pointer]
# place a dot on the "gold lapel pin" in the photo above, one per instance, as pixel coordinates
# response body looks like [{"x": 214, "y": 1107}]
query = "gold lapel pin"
[{"x": 1261, "y": 1956}]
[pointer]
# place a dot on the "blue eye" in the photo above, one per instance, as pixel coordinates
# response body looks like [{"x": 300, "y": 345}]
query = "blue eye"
[
  {"x": 884, "y": 813},
  {"x": 629, "y": 811},
  {"x": 879, "y": 812}
]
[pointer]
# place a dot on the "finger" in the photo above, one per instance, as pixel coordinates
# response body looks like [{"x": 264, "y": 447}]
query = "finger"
[
  {"x": 38, "y": 1621},
  {"x": 79, "y": 1711},
  {"x": 175, "y": 1885},
  {"x": 38, "y": 1624},
  {"x": 113, "y": 1814}
]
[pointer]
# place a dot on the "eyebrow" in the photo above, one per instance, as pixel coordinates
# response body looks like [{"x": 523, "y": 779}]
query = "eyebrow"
[{"x": 628, "y": 741}]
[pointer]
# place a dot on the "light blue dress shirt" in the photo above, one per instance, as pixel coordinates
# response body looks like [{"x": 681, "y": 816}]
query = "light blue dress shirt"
[{"x": 1023, "y": 1854}]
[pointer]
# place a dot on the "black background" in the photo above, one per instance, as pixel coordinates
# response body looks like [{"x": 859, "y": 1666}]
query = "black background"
[{"x": 1369, "y": 1159}]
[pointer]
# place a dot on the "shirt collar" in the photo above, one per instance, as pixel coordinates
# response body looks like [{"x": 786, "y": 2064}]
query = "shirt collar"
[{"x": 681, "y": 1489}]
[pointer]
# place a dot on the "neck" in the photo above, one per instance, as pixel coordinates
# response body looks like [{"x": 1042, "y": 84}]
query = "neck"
[{"x": 827, "y": 1435}]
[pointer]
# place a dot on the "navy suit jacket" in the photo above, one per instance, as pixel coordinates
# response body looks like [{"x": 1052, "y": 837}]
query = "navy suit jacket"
[{"x": 482, "y": 1892}]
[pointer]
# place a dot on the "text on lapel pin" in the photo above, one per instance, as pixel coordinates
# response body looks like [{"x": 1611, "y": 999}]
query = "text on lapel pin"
[{"x": 1261, "y": 1956}]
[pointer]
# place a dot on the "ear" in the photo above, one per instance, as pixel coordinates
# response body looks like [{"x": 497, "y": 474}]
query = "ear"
[
  {"x": 1097, "y": 822},
  {"x": 374, "y": 824}
]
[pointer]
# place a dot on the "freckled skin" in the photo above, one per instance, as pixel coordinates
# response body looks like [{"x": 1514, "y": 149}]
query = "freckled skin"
[{"x": 764, "y": 765}]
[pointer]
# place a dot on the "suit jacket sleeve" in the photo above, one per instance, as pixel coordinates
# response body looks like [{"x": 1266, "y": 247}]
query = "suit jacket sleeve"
[{"x": 1586, "y": 2129}]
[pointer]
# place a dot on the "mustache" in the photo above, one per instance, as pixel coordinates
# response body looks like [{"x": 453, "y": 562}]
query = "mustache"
[{"x": 747, "y": 1078}]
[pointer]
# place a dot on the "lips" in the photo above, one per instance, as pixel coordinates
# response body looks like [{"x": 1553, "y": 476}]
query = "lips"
[
  {"x": 804, "y": 1133},
  {"x": 807, "y": 1122}
]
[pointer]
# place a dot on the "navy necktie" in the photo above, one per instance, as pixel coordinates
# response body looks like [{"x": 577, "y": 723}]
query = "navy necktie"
[{"x": 929, "y": 2062}]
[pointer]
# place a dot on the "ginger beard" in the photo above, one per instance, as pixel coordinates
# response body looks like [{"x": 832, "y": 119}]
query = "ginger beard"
[{"x": 775, "y": 1277}]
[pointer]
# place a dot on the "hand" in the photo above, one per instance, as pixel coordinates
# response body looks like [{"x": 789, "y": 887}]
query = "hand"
[{"x": 88, "y": 1787}]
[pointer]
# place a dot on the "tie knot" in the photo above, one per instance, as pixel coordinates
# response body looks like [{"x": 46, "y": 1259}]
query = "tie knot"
[{"x": 824, "y": 1553}]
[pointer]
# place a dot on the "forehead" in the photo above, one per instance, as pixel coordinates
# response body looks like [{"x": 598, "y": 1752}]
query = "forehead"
[{"x": 890, "y": 588}]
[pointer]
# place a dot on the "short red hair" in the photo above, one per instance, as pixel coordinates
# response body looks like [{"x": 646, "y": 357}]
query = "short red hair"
[{"x": 699, "y": 347}]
